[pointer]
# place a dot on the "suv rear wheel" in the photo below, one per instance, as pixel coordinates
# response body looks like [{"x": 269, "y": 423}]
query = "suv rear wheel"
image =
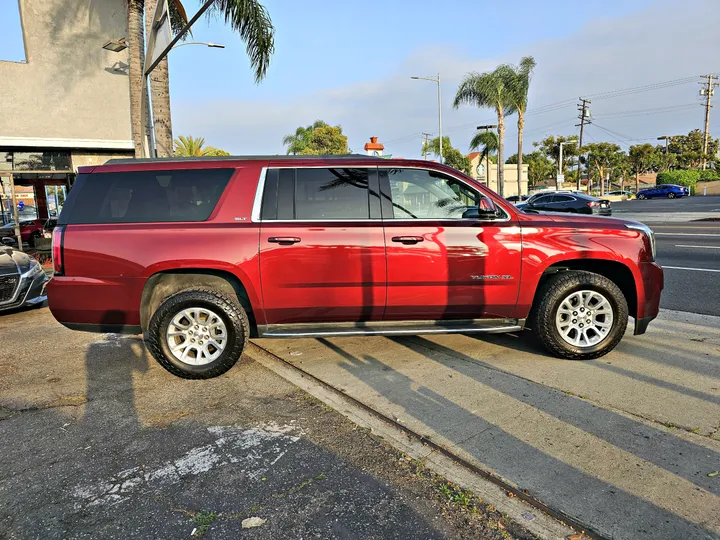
[
  {"x": 198, "y": 333},
  {"x": 579, "y": 315}
]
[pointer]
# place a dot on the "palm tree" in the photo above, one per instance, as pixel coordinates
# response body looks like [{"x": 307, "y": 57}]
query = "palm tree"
[
  {"x": 488, "y": 141},
  {"x": 247, "y": 17},
  {"x": 519, "y": 97},
  {"x": 191, "y": 147},
  {"x": 491, "y": 90},
  {"x": 298, "y": 141},
  {"x": 136, "y": 50}
]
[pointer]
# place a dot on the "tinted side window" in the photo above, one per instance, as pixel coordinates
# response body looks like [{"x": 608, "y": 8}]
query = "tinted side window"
[
  {"x": 421, "y": 194},
  {"x": 545, "y": 199},
  {"x": 563, "y": 198},
  {"x": 145, "y": 196},
  {"x": 331, "y": 194}
]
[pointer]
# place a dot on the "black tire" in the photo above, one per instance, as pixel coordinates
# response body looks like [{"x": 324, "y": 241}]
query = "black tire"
[
  {"x": 225, "y": 306},
  {"x": 548, "y": 299},
  {"x": 671, "y": 195},
  {"x": 641, "y": 196},
  {"x": 33, "y": 239}
]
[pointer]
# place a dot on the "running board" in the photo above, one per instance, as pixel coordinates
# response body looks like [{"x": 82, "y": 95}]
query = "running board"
[{"x": 391, "y": 328}]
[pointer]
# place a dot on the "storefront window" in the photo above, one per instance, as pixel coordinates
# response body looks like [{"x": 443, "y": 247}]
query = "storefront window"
[
  {"x": 41, "y": 161},
  {"x": 6, "y": 159}
]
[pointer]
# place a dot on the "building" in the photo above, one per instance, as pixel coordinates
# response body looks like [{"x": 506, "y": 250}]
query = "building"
[
  {"x": 374, "y": 148},
  {"x": 478, "y": 172},
  {"x": 67, "y": 104}
]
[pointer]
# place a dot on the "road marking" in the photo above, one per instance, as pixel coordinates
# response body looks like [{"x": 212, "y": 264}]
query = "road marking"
[
  {"x": 684, "y": 234},
  {"x": 685, "y": 227},
  {"x": 701, "y": 247},
  {"x": 694, "y": 269}
]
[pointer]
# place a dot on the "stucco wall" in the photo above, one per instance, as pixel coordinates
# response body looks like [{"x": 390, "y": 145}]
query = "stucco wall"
[{"x": 67, "y": 88}]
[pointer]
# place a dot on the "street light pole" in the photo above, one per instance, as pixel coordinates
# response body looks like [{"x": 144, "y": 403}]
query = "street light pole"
[
  {"x": 666, "y": 138},
  {"x": 212, "y": 45},
  {"x": 436, "y": 80}
]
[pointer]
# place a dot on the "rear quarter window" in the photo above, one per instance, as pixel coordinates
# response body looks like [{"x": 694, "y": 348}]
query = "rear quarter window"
[{"x": 145, "y": 196}]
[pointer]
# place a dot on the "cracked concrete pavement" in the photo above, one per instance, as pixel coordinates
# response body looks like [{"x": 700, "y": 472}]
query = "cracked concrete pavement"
[{"x": 627, "y": 444}]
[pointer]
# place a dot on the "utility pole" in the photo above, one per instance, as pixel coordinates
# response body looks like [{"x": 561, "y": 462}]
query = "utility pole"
[
  {"x": 708, "y": 92},
  {"x": 584, "y": 118},
  {"x": 425, "y": 145}
]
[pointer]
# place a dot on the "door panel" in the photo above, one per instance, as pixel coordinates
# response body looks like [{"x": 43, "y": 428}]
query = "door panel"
[
  {"x": 459, "y": 268},
  {"x": 315, "y": 264}
]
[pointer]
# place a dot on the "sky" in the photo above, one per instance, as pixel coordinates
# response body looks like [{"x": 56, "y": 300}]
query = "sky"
[{"x": 350, "y": 63}]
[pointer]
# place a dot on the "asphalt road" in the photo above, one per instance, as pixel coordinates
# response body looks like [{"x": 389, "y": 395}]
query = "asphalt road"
[
  {"x": 690, "y": 255},
  {"x": 688, "y": 204}
]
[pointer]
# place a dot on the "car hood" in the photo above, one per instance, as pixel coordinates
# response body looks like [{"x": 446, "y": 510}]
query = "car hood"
[
  {"x": 575, "y": 220},
  {"x": 12, "y": 261}
]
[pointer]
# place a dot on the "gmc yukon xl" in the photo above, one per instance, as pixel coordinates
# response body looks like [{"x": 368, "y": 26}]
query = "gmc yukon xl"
[{"x": 201, "y": 254}]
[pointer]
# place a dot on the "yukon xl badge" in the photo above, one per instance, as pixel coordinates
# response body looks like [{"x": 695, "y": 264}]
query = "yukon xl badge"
[{"x": 491, "y": 277}]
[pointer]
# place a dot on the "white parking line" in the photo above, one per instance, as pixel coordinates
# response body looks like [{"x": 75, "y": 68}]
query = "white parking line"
[
  {"x": 684, "y": 234},
  {"x": 694, "y": 269},
  {"x": 700, "y": 247}
]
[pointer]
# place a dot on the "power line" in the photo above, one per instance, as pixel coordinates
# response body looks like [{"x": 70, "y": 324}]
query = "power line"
[
  {"x": 551, "y": 107},
  {"x": 645, "y": 112}
]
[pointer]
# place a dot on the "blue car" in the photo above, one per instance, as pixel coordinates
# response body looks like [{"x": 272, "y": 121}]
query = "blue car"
[{"x": 669, "y": 191}]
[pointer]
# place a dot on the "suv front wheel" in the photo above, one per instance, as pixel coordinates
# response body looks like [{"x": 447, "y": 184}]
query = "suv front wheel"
[
  {"x": 198, "y": 333},
  {"x": 579, "y": 315}
]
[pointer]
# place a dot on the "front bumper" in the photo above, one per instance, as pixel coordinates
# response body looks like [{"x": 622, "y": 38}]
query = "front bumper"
[
  {"x": 30, "y": 291},
  {"x": 648, "y": 305}
]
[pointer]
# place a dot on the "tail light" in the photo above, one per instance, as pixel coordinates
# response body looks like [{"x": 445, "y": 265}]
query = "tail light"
[
  {"x": 593, "y": 204},
  {"x": 58, "y": 237}
]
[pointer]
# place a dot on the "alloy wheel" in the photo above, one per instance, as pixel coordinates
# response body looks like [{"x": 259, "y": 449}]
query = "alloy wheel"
[
  {"x": 584, "y": 318},
  {"x": 197, "y": 336}
]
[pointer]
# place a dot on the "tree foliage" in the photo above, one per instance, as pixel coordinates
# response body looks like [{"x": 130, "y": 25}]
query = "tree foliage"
[
  {"x": 490, "y": 90},
  {"x": 540, "y": 168},
  {"x": 195, "y": 147},
  {"x": 519, "y": 98},
  {"x": 298, "y": 141},
  {"x": 550, "y": 148},
  {"x": 486, "y": 142},
  {"x": 601, "y": 158},
  {"x": 325, "y": 139},
  {"x": 642, "y": 158},
  {"x": 452, "y": 157},
  {"x": 687, "y": 149}
]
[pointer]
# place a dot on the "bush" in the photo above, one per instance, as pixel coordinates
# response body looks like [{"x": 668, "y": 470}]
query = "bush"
[
  {"x": 710, "y": 175},
  {"x": 681, "y": 178}
]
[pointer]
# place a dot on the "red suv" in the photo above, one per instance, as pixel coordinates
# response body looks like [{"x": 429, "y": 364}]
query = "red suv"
[{"x": 202, "y": 254}]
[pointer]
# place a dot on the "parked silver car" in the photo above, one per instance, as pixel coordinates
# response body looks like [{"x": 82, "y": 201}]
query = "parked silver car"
[{"x": 22, "y": 280}]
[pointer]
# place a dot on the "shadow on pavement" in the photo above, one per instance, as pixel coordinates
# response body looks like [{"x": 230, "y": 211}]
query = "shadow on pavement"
[{"x": 602, "y": 506}]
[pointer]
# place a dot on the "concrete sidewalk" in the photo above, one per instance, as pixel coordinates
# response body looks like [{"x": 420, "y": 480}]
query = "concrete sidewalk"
[{"x": 624, "y": 444}]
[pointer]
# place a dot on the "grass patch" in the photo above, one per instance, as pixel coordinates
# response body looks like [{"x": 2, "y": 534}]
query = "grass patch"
[{"x": 203, "y": 520}]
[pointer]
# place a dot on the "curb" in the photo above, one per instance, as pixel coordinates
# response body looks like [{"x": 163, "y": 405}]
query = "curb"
[{"x": 529, "y": 517}]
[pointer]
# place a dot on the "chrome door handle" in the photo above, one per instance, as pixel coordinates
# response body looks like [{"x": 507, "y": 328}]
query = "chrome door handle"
[
  {"x": 284, "y": 240},
  {"x": 407, "y": 240}
]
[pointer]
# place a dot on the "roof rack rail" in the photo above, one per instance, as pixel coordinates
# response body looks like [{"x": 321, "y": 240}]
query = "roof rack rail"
[{"x": 119, "y": 161}]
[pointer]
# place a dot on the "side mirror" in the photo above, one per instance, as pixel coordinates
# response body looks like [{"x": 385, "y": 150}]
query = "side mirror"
[{"x": 486, "y": 209}]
